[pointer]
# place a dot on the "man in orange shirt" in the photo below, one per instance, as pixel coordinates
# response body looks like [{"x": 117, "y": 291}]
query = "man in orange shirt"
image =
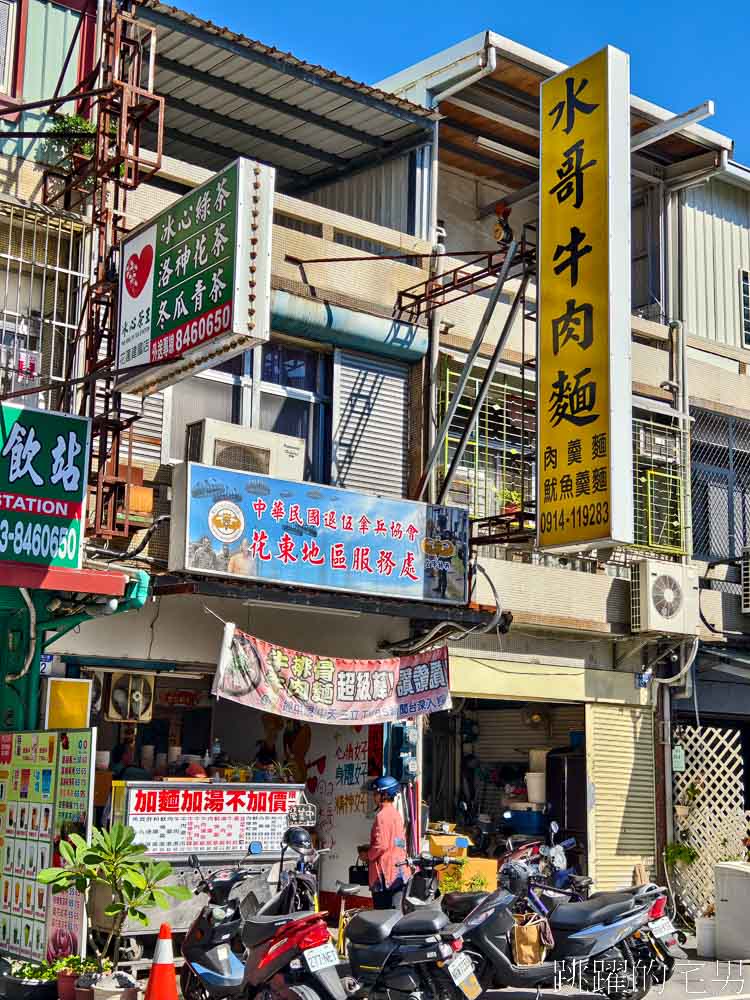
[{"x": 387, "y": 847}]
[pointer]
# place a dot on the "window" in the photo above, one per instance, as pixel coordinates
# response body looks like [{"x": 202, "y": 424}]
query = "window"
[
  {"x": 7, "y": 44},
  {"x": 279, "y": 388},
  {"x": 745, "y": 306},
  {"x": 720, "y": 452}
]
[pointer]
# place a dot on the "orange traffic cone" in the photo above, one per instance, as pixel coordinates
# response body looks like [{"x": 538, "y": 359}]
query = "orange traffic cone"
[{"x": 162, "y": 981}]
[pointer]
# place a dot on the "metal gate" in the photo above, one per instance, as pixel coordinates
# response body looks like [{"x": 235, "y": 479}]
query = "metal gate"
[{"x": 717, "y": 822}]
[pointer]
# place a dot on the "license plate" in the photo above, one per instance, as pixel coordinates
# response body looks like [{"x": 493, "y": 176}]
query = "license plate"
[
  {"x": 662, "y": 928},
  {"x": 461, "y": 971},
  {"x": 322, "y": 957}
]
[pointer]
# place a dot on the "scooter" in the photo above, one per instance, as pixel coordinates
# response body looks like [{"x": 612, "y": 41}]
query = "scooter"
[
  {"x": 418, "y": 956},
  {"x": 613, "y": 945},
  {"x": 285, "y": 953}
]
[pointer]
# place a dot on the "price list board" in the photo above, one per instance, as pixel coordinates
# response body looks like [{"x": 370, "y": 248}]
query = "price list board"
[
  {"x": 210, "y": 819},
  {"x": 36, "y": 810}
]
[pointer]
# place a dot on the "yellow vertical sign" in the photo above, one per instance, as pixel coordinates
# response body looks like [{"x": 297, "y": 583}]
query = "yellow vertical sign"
[{"x": 584, "y": 472}]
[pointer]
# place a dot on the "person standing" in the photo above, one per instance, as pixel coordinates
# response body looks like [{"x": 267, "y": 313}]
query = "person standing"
[{"x": 387, "y": 847}]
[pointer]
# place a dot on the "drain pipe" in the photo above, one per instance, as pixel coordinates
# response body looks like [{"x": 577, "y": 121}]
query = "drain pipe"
[
  {"x": 32, "y": 638},
  {"x": 490, "y": 65}
]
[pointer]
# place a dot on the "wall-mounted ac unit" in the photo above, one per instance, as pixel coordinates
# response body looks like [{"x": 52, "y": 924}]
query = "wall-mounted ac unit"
[
  {"x": 745, "y": 577},
  {"x": 659, "y": 444},
  {"x": 663, "y": 598},
  {"x": 231, "y": 446}
]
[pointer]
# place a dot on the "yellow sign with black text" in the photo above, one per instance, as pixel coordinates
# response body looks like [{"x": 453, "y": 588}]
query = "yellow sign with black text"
[{"x": 584, "y": 472}]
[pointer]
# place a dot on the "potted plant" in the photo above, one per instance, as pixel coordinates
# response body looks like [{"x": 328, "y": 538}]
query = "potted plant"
[
  {"x": 27, "y": 981},
  {"x": 686, "y": 801},
  {"x": 134, "y": 883},
  {"x": 70, "y": 969},
  {"x": 679, "y": 855}
]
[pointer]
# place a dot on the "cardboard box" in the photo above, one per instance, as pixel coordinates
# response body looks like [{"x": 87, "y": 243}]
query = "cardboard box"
[
  {"x": 444, "y": 845},
  {"x": 481, "y": 868}
]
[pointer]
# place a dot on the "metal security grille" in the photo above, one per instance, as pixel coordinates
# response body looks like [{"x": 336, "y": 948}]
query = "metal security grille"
[
  {"x": 659, "y": 485},
  {"x": 745, "y": 306},
  {"x": 42, "y": 282},
  {"x": 720, "y": 468},
  {"x": 497, "y": 472}
]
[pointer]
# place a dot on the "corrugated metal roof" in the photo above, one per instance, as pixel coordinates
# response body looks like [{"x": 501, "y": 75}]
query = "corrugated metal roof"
[{"x": 228, "y": 95}]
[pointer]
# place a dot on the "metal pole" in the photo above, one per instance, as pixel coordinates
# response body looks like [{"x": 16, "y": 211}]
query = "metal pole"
[
  {"x": 468, "y": 364},
  {"x": 484, "y": 389}
]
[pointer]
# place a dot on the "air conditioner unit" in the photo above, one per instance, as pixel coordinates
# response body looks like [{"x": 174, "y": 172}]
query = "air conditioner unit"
[
  {"x": 131, "y": 698},
  {"x": 659, "y": 444},
  {"x": 745, "y": 577},
  {"x": 231, "y": 446},
  {"x": 663, "y": 598}
]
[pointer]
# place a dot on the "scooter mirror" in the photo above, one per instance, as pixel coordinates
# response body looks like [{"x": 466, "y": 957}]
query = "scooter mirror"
[
  {"x": 554, "y": 827},
  {"x": 255, "y": 847},
  {"x": 193, "y": 861}
]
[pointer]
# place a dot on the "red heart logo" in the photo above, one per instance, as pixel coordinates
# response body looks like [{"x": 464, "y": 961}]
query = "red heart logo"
[
  {"x": 137, "y": 270},
  {"x": 312, "y": 784}
]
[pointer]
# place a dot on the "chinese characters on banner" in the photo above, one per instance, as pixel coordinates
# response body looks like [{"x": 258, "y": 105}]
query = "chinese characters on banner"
[
  {"x": 43, "y": 477},
  {"x": 196, "y": 277},
  {"x": 311, "y": 688},
  {"x": 210, "y": 820},
  {"x": 585, "y": 490},
  {"x": 259, "y": 528}
]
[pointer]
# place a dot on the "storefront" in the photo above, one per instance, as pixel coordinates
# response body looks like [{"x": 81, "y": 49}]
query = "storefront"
[{"x": 528, "y": 743}]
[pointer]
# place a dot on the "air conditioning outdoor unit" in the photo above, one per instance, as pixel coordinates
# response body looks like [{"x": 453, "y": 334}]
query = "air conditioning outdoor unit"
[
  {"x": 663, "y": 598},
  {"x": 231, "y": 446},
  {"x": 659, "y": 444},
  {"x": 745, "y": 577}
]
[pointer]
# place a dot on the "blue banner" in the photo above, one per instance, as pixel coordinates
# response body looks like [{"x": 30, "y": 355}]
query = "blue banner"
[{"x": 255, "y": 527}]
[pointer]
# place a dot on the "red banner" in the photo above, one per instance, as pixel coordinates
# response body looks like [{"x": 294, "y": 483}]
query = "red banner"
[{"x": 272, "y": 678}]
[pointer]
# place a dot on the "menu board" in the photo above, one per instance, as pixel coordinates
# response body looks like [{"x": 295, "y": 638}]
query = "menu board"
[
  {"x": 36, "y": 809},
  {"x": 210, "y": 819}
]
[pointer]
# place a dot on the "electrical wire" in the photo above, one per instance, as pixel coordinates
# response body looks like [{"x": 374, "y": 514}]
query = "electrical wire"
[{"x": 107, "y": 555}]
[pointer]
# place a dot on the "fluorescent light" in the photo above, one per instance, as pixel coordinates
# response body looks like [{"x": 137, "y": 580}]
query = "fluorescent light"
[{"x": 512, "y": 154}]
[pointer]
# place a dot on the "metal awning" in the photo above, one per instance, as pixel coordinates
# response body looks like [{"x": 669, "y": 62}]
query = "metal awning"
[{"x": 229, "y": 96}]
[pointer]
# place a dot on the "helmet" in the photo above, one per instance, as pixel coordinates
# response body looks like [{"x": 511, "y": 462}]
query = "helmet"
[
  {"x": 514, "y": 877},
  {"x": 386, "y": 785},
  {"x": 298, "y": 839}
]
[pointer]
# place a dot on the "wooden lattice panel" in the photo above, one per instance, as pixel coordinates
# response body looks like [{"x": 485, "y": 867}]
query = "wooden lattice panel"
[{"x": 718, "y": 822}]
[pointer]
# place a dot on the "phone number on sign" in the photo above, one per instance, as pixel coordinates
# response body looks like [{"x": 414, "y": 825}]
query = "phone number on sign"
[
  {"x": 38, "y": 540},
  {"x": 581, "y": 516},
  {"x": 213, "y": 324}
]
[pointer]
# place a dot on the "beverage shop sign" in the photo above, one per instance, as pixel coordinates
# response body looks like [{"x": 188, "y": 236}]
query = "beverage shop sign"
[
  {"x": 328, "y": 689},
  {"x": 254, "y": 527},
  {"x": 44, "y": 460},
  {"x": 584, "y": 470},
  {"x": 209, "y": 820},
  {"x": 195, "y": 282}
]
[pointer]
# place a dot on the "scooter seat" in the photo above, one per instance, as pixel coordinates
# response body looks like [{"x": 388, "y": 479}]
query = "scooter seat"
[
  {"x": 372, "y": 926},
  {"x": 260, "y": 927},
  {"x": 575, "y": 916},
  {"x": 425, "y": 920},
  {"x": 347, "y": 888},
  {"x": 460, "y": 904}
]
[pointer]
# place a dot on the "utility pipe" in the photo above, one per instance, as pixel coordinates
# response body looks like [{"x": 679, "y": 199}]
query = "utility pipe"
[
  {"x": 490, "y": 65},
  {"x": 32, "y": 638}
]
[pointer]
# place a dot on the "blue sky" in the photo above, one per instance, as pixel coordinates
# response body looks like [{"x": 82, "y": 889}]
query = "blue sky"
[{"x": 681, "y": 54}]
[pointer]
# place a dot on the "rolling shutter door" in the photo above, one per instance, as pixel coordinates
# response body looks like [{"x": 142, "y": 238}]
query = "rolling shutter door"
[
  {"x": 622, "y": 801},
  {"x": 370, "y": 424}
]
